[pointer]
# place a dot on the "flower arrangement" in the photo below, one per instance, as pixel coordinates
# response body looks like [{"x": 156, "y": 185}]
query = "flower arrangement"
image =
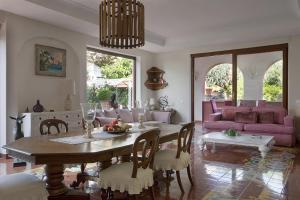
[{"x": 231, "y": 132}]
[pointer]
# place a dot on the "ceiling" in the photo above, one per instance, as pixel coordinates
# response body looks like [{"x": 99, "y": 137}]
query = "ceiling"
[{"x": 177, "y": 24}]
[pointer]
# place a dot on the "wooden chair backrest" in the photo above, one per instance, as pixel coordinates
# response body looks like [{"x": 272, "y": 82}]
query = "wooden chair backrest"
[
  {"x": 48, "y": 123},
  {"x": 147, "y": 144},
  {"x": 184, "y": 139}
]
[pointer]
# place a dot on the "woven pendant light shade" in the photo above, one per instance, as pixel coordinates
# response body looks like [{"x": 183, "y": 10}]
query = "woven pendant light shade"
[{"x": 122, "y": 24}]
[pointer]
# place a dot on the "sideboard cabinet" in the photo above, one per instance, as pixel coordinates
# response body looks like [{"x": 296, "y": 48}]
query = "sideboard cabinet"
[{"x": 32, "y": 121}]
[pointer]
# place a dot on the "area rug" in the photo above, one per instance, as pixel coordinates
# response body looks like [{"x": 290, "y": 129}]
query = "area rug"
[{"x": 259, "y": 178}]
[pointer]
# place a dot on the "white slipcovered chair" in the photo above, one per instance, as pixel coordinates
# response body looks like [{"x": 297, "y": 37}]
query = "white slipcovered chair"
[
  {"x": 22, "y": 186},
  {"x": 169, "y": 159},
  {"x": 133, "y": 177}
]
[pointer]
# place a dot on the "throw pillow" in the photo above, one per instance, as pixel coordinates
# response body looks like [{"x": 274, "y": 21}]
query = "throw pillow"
[
  {"x": 125, "y": 115},
  {"x": 110, "y": 113},
  {"x": 266, "y": 117},
  {"x": 228, "y": 114},
  {"x": 246, "y": 117}
]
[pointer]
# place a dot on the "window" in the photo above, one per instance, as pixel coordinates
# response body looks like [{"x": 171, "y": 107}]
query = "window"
[
  {"x": 110, "y": 79},
  {"x": 272, "y": 87},
  {"x": 218, "y": 82}
]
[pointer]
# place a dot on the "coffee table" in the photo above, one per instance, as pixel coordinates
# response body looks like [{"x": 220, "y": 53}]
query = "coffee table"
[{"x": 263, "y": 142}]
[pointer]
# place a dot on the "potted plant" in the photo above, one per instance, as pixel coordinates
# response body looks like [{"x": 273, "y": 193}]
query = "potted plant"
[{"x": 104, "y": 95}]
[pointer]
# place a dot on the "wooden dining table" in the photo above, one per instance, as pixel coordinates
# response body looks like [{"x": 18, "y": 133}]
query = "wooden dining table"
[{"x": 41, "y": 150}]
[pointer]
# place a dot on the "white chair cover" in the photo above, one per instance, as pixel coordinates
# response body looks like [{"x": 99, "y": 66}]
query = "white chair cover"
[
  {"x": 166, "y": 160},
  {"x": 118, "y": 177},
  {"x": 22, "y": 186}
]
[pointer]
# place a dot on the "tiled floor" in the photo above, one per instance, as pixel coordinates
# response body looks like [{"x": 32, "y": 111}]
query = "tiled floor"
[{"x": 231, "y": 173}]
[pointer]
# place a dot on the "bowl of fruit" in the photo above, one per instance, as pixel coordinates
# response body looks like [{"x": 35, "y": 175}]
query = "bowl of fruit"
[{"x": 116, "y": 127}]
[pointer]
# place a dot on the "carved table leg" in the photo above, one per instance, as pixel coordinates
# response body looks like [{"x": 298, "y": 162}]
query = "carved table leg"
[
  {"x": 56, "y": 188},
  {"x": 55, "y": 177}
]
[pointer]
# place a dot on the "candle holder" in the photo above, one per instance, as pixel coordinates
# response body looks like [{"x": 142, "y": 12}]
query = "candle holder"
[
  {"x": 141, "y": 118},
  {"x": 88, "y": 114}
]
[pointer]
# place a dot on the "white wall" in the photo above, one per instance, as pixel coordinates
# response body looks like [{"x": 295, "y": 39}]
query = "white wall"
[
  {"x": 3, "y": 116},
  {"x": 254, "y": 67},
  {"x": 202, "y": 66},
  {"x": 24, "y": 87},
  {"x": 177, "y": 66}
]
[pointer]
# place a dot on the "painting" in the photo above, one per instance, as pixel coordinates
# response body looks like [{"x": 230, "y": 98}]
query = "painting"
[{"x": 50, "y": 61}]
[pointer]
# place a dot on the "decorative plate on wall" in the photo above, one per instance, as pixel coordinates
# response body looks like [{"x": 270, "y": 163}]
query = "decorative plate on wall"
[{"x": 155, "y": 79}]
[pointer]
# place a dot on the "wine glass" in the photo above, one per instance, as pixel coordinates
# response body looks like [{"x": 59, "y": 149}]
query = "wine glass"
[{"x": 88, "y": 114}]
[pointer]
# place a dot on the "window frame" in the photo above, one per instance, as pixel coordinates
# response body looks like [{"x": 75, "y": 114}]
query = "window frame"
[
  {"x": 235, "y": 53},
  {"x": 123, "y": 56}
]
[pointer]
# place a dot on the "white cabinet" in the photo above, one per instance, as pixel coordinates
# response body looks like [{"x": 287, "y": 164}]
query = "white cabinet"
[{"x": 32, "y": 121}]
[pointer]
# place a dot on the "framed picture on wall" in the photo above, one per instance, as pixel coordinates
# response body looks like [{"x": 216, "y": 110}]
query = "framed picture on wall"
[{"x": 50, "y": 61}]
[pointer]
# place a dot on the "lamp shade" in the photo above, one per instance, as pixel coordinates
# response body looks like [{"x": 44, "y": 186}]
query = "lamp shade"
[{"x": 122, "y": 24}]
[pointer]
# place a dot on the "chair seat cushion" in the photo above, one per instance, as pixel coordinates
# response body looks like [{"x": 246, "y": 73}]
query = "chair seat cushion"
[
  {"x": 118, "y": 177},
  {"x": 166, "y": 160},
  {"x": 269, "y": 128},
  {"x": 22, "y": 186}
]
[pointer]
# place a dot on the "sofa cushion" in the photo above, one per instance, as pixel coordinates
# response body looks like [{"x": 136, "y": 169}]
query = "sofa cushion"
[
  {"x": 136, "y": 111},
  {"x": 266, "y": 117},
  {"x": 110, "y": 113},
  {"x": 246, "y": 117},
  {"x": 279, "y": 113},
  {"x": 223, "y": 125},
  {"x": 247, "y": 103},
  {"x": 125, "y": 115},
  {"x": 228, "y": 112},
  {"x": 99, "y": 113},
  {"x": 269, "y": 128}
]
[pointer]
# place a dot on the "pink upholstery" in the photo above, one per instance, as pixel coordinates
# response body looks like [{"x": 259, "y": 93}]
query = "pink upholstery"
[
  {"x": 289, "y": 121},
  {"x": 279, "y": 113},
  {"x": 110, "y": 113},
  {"x": 228, "y": 114},
  {"x": 135, "y": 113},
  {"x": 227, "y": 103},
  {"x": 248, "y": 103},
  {"x": 213, "y": 105},
  {"x": 105, "y": 120},
  {"x": 125, "y": 115},
  {"x": 161, "y": 116},
  {"x": 99, "y": 113},
  {"x": 269, "y": 128},
  {"x": 223, "y": 125},
  {"x": 215, "y": 117},
  {"x": 262, "y": 103},
  {"x": 283, "y": 128},
  {"x": 246, "y": 117},
  {"x": 266, "y": 117}
]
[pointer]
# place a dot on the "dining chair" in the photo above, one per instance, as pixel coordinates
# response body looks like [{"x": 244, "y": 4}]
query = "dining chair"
[
  {"x": 96, "y": 123},
  {"x": 214, "y": 106},
  {"x": 56, "y": 123},
  {"x": 171, "y": 159},
  {"x": 135, "y": 176},
  {"x": 22, "y": 186}
]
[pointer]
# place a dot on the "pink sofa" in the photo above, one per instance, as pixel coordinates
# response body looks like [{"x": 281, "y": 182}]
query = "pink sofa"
[
  {"x": 127, "y": 116},
  {"x": 282, "y": 126}
]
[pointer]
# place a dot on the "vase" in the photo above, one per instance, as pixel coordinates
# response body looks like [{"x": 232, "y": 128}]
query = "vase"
[
  {"x": 38, "y": 107},
  {"x": 68, "y": 103}
]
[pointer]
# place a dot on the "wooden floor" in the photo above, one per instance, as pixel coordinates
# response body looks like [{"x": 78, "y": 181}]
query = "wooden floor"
[{"x": 231, "y": 173}]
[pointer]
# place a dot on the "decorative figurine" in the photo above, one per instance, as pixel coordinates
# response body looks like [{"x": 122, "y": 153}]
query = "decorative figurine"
[
  {"x": 38, "y": 107},
  {"x": 163, "y": 102},
  {"x": 18, "y": 134}
]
